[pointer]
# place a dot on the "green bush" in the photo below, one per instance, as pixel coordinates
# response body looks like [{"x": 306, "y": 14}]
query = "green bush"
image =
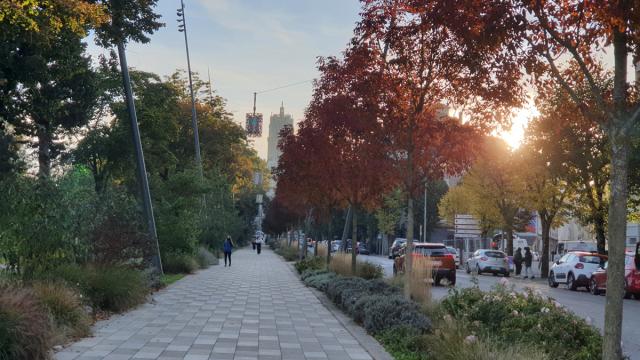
[
  {"x": 110, "y": 288},
  {"x": 25, "y": 330},
  {"x": 345, "y": 286},
  {"x": 289, "y": 253},
  {"x": 173, "y": 263},
  {"x": 367, "y": 270},
  {"x": 527, "y": 319},
  {"x": 383, "y": 312},
  {"x": 312, "y": 263},
  {"x": 65, "y": 307},
  {"x": 320, "y": 280},
  {"x": 404, "y": 343},
  {"x": 205, "y": 258}
]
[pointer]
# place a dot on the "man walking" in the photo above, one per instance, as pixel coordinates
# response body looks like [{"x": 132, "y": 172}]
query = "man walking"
[
  {"x": 517, "y": 261},
  {"x": 259, "y": 241},
  {"x": 528, "y": 260}
]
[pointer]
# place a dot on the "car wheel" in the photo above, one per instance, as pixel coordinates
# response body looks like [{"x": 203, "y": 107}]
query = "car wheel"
[
  {"x": 593, "y": 287},
  {"x": 478, "y": 270},
  {"x": 506, "y": 274},
  {"x": 468, "y": 270},
  {"x": 627, "y": 295},
  {"x": 437, "y": 280},
  {"x": 571, "y": 282},
  {"x": 552, "y": 283}
]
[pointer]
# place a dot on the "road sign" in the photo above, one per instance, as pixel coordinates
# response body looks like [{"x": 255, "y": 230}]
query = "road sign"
[{"x": 466, "y": 226}]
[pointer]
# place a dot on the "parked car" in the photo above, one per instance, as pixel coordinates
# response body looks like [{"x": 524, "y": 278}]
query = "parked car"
[
  {"x": 397, "y": 244},
  {"x": 362, "y": 249},
  {"x": 598, "y": 281},
  {"x": 575, "y": 268},
  {"x": 444, "y": 266},
  {"x": 336, "y": 245},
  {"x": 456, "y": 255},
  {"x": 490, "y": 261}
]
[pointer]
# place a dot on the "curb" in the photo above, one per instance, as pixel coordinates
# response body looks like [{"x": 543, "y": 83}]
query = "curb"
[{"x": 370, "y": 344}]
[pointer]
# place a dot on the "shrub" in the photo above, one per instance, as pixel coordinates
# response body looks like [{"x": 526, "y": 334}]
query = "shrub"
[
  {"x": 525, "y": 318},
  {"x": 336, "y": 289},
  {"x": 341, "y": 264},
  {"x": 420, "y": 279},
  {"x": 367, "y": 270},
  {"x": 110, "y": 288},
  {"x": 312, "y": 272},
  {"x": 65, "y": 308},
  {"x": 205, "y": 258},
  {"x": 321, "y": 280},
  {"x": 404, "y": 343},
  {"x": 25, "y": 330},
  {"x": 173, "y": 263},
  {"x": 382, "y": 312},
  {"x": 288, "y": 252},
  {"x": 312, "y": 263}
]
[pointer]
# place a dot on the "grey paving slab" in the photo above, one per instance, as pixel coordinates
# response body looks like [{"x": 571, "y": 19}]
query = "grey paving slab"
[{"x": 255, "y": 309}]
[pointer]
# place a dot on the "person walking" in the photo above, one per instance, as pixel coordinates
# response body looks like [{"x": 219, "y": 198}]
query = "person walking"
[
  {"x": 528, "y": 260},
  {"x": 227, "y": 247},
  {"x": 259, "y": 241},
  {"x": 517, "y": 261}
]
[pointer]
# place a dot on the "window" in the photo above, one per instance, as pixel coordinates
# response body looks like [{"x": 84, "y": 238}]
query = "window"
[
  {"x": 432, "y": 251},
  {"x": 589, "y": 259},
  {"x": 495, "y": 254},
  {"x": 564, "y": 258}
]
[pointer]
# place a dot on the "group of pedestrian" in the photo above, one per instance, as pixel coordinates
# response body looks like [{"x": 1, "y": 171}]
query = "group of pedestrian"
[
  {"x": 527, "y": 260},
  {"x": 228, "y": 246}
]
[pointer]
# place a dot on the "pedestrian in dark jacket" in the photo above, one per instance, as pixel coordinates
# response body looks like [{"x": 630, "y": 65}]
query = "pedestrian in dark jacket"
[
  {"x": 517, "y": 261},
  {"x": 528, "y": 260},
  {"x": 227, "y": 247}
]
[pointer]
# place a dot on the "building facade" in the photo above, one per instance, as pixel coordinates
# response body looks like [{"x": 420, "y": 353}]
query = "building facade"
[{"x": 276, "y": 123}]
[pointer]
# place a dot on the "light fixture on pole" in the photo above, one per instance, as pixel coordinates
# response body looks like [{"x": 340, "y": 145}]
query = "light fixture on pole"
[{"x": 182, "y": 27}]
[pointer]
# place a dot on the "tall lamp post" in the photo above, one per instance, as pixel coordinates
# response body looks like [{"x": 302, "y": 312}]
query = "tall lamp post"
[{"x": 182, "y": 27}]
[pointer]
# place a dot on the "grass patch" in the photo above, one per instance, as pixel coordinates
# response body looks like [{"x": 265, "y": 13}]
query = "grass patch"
[
  {"x": 173, "y": 263},
  {"x": 168, "y": 279},
  {"x": 65, "y": 307},
  {"x": 341, "y": 265}
]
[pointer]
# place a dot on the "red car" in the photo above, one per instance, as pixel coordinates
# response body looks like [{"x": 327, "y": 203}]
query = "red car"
[
  {"x": 598, "y": 282},
  {"x": 444, "y": 264}
]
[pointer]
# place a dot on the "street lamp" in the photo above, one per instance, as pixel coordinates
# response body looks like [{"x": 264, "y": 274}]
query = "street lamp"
[{"x": 182, "y": 27}]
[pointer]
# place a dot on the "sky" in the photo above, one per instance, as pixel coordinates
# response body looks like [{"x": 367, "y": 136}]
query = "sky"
[{"x": 250, "y": 45}]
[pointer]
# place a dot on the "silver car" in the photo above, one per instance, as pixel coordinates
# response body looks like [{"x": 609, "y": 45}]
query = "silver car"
[{"x": 490, "y": 261}]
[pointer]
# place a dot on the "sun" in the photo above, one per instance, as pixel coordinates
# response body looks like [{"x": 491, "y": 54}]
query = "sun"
[{"x": 515, "y": 135}]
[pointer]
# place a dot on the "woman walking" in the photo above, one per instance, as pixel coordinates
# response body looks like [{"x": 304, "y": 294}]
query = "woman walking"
[{"x": 227, "y": 247}]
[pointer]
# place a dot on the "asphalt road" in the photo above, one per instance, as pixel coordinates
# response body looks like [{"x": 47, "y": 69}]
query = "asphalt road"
[{"x": 581, "y": 302}]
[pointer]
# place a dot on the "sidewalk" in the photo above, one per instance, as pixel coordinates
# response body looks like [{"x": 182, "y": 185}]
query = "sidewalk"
[{"x": 256, "y": 309}]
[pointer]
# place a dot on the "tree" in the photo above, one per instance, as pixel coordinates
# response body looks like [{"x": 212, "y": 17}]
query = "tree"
[
  {"x": 546, "y": 187},
  {"x": 390, "y": 213},
  {"x": 493, "y": 180},
  {"x": 567, "y": 38},
  {"x": 460, "y": 200},
  {"x": 423, "y": 49}
]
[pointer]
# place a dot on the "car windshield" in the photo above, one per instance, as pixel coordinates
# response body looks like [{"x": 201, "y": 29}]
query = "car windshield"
[
  {"x": 589, "y": 259},
  {"x": 451, "y": 250},
  {"x": 431, "y": 251},
  {"x": 494, "y": 254}
]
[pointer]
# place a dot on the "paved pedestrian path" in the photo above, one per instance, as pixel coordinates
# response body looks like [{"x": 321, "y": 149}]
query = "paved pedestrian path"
[{"x": 256, "y": 309}]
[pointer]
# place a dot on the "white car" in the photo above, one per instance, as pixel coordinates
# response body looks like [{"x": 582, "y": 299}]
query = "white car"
[
  {"x": 575, "y": 268},
  {"x": 456, "y": 255},
  {"x": 491, "y": 261}
]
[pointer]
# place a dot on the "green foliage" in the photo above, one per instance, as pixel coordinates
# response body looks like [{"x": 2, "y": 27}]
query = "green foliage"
[
  {"x": 176, "y": 263},
  {"x": 311, "y": 263},
  {"x": 110, "y": 288},
  {"x": 527, "y": 319},
  {"x": 25, "y": 330},
  {"x": 404, "y": 343},
  {"x": 319, "y": 279},
  {"x": 168, "y": 279},
  {"x": 369, "y": 271},
  {"x": 383, "y": 312},
  {"x": 66, "y": 309},
  {"x": 205, "y": 258}
]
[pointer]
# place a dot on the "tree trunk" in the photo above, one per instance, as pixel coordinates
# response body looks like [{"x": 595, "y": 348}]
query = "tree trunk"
[
  {"x": 354, "y": 240},
  {"x": 546, "y": 228},
  {"x": 345, "y": 230},
  {"x": 510, "y": 241},
  {"x": 611, "y": 347},
  {"x": 600, "y": 231},
  {"x": 44, "y": 151},
  {"x": 408, "y": 258},
  {"x": 329, "y": 242}
]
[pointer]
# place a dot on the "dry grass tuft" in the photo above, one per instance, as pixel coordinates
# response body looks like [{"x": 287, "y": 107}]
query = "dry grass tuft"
[
  {"x": 341, "y": 264},
  {"x": 420, "y": 279},
  {"x": 322, "y": 250}
]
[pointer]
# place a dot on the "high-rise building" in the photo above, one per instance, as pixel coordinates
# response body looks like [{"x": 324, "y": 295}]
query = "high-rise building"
[{"x": 276, "y": 123}]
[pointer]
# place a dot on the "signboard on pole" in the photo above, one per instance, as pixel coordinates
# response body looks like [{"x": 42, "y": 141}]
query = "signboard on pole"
[
  {"x": 254, "y": 125},
  {"x": 466, "y": 226}
]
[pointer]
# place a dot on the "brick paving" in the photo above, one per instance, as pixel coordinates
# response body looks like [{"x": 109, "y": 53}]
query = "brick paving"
[{"x": 256, "y": 309}]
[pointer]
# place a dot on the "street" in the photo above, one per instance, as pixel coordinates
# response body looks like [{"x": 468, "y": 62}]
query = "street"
[{"x": 580, "y": 302}]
